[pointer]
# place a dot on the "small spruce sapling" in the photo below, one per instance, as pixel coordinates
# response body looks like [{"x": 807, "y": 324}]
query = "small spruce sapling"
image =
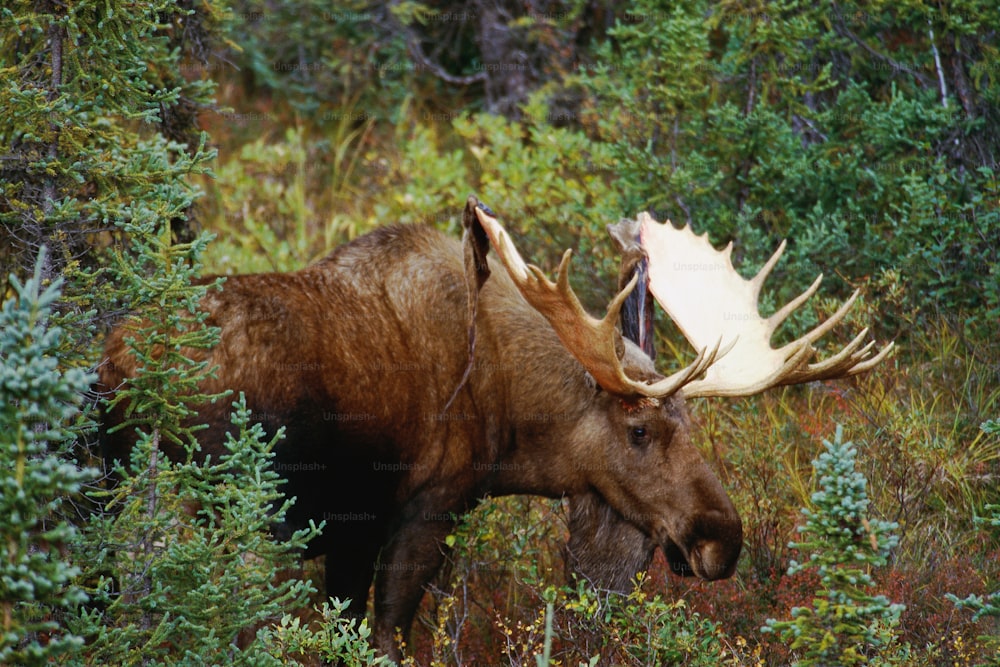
[{"x": 846, "y": 624}]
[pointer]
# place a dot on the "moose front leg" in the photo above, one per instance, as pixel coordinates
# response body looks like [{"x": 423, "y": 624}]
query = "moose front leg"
[{"x": 408, "y": 562}]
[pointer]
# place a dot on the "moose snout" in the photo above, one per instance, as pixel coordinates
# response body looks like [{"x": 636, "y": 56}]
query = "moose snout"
[
  {"x": 713, "y": 560},
  {"x": 715, "y": 553},
  {"x": 711, "y": 547}
]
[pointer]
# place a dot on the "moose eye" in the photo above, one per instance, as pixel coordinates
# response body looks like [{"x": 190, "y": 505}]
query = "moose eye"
[{"x": 638, "y": 436}]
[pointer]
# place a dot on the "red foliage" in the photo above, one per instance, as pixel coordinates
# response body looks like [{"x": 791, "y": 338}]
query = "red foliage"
[{"x": 930, "y": 618}]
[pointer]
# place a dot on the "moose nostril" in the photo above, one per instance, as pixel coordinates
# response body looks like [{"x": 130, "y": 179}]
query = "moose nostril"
[
  {"x": 717, "y": 543},
  {"x": 716, "y": 559}
]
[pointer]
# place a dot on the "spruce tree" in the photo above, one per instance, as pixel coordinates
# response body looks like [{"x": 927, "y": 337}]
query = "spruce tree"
[
  {"x": 183, "y": 559},
  {"x": 99, "y": 141},
  {"x": 38, "y": 403},
  {"x": 846, "y": 624},
  {"x": 96, "y": 123}
]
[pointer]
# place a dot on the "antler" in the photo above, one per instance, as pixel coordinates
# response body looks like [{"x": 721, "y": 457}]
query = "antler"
[
  {"x": 595, "y": 343},
  {"x": 701, "y": 291}
]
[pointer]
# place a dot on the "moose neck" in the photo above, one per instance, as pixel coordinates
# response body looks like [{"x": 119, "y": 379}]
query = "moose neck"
[{"x": 548, "y": 398}]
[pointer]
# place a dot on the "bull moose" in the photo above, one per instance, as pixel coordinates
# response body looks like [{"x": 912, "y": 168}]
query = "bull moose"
[{"x": 416, "y": 374}]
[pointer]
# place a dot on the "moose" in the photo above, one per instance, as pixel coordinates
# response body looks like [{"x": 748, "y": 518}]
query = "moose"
[{"x": 416, "y": 373}]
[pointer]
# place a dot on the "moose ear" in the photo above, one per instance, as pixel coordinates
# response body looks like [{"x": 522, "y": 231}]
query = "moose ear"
[
  {"x": 475, "y": 246},
  {"x": 636, "y": 317}
]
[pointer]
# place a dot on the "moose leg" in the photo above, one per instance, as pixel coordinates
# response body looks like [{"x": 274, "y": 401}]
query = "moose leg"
[
  {"x": 350, "y": 566},
  {"x": 411, "y": 558}
]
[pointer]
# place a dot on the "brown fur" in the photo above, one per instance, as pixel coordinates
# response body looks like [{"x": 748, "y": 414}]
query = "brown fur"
[{"x": 358, "y": 354}]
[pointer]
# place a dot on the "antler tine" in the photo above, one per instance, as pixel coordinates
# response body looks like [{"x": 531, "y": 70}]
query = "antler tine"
[
  {"x": 719, "y": 387},
  {"x": 669, "y": 386},
  {"x": 595, "y": 343},
  {"x": 868, "y": 364},
  {"x": 509, "y": 255},
  {"x": 835, "y": 365},
  {"x": 765, "y": 271},
  {"x": 782, "y": 314},
  {"x": 700, "y": 365},
  {"x": 851, "y": 365},
  {"x": 562, "y": 282},
  {"x": 821, "y": 329},
  {"x": 707, "y": 358}
]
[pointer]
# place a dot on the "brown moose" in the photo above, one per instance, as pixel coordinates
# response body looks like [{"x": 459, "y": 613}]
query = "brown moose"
[{"x": 416, "y": 375}]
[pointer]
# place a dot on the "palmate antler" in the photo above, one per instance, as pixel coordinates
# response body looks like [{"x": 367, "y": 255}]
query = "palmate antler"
[
  {"x": 713, "y": 306},
  {"x": 699, "y": 288},
  {"x": 595, "y": 343}
]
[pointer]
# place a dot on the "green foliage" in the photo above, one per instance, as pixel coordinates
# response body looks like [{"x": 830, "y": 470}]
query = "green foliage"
[
  {"x": 187, "y": 563},
  {"x": 164, "y": 332},
  {"x": 335, "y": 638},
  {"x": 846, "y": 624},
  {"x": 97, "y": 128},
  {"x": 550, "y": 185},
  {"x": 272, "y": 201},
  {"x": 97, "y": 115},
  {"x": 802, "y": 120},
  {"x": 644, "y": 629},
  {"x": 38, "y": 402},
  {"x": 183, "y": 560},
  {"x": 991, "y": 426},
  {"x": 316, "y": 55},
  {"x": 933, "y": 463},
  {"x": 296, "y": 51}
]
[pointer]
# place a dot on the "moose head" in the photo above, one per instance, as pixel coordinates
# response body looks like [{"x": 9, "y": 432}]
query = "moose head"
[{"x": 686, "y": 511}]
